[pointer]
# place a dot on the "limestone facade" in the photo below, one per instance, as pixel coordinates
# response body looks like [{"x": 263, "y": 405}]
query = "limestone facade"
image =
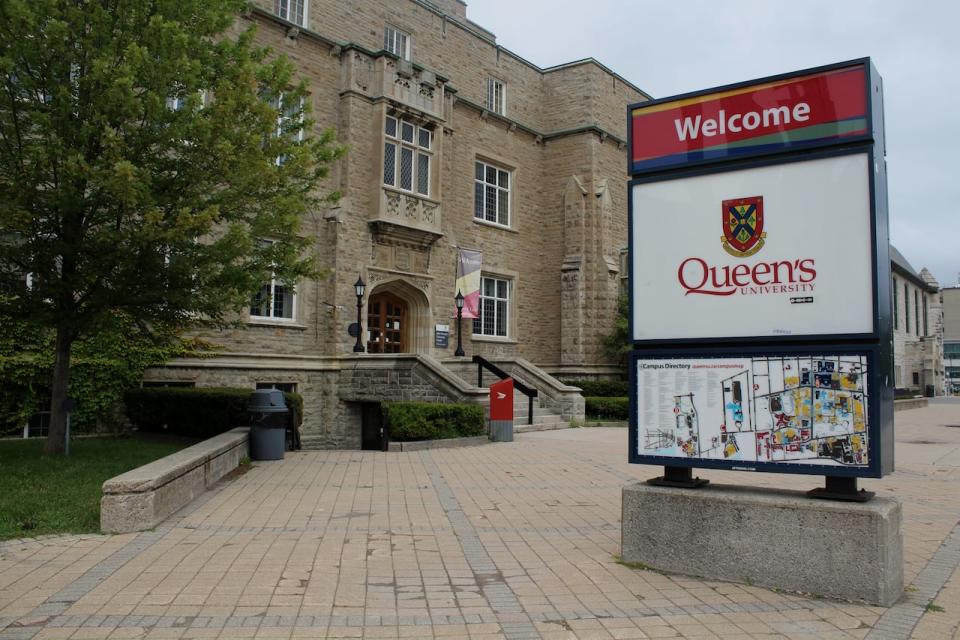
[
  {"x": 917, "y": 328},
  {"x": 419, "y": 122},
  {"x": 951, "y": 337}
]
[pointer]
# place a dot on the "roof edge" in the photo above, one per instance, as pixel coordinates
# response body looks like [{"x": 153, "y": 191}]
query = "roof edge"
[{"x": 476, "y": 31}]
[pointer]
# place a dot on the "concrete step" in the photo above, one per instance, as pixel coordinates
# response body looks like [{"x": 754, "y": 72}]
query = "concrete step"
[
  {"x": 540, "y": 426},
  {"x": 551, "y": 418},
  {"x": 521, "y": 412}
]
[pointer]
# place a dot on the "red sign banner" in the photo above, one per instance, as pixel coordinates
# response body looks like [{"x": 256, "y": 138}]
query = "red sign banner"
[{"x": 788, "y": 113}]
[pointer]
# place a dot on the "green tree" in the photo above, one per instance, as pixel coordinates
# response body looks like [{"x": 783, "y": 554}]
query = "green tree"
[
  {"x": 616, "y": 344},
  {"x": 146, "y": 146}
]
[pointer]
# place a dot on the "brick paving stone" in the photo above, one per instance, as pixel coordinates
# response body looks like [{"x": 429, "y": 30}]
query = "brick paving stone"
[{"x": 512, "y": 540}]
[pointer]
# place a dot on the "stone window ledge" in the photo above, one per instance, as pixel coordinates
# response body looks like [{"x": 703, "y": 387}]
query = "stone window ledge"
[
  {"x": 494, "y": 225},
  {"x": 496, "y": 339},
  {"x": 280, "y": 324}
]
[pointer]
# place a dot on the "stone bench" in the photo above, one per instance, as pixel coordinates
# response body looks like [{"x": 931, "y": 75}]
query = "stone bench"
[{"x": 144, "y": 497}]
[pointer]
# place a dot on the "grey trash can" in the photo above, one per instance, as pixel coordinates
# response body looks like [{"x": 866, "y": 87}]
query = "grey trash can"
[{"x": 268, "y": 424}]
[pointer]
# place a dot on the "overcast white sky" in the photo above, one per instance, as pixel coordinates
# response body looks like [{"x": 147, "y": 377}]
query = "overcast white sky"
[{"x": 669, "y": 47}]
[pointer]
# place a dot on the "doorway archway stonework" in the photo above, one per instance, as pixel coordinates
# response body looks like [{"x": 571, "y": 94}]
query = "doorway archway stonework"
[{"x": 405, "y": 292}]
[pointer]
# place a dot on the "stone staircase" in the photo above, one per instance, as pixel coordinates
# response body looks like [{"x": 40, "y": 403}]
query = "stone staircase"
[
  {"x": 543, "y": 419},
  {"x": 555, "y": 407}
]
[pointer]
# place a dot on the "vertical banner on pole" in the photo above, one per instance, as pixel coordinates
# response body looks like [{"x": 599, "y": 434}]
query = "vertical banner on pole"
[{"x": 468, "y": 280}]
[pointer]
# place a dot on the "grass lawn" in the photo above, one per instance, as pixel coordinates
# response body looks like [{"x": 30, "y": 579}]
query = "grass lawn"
[{"x": 41, "y": 495}]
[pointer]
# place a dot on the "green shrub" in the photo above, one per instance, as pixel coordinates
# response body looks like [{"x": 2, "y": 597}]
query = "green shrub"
[
  {"x": 103, "y": 367},
  {"x": 196, "y": 412},
  {"x": 609, "y": 408},
  {"x": 601, "y": 388},
  {"x": 408, "y": 421}
]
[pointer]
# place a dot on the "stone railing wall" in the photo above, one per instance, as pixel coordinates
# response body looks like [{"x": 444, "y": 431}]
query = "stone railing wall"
[
  {"x": 143, "y": 497},
  {"x": 554, "y": 395},
  {"x": 410, "y": 210},
  {"x": 384, "y": 76}
]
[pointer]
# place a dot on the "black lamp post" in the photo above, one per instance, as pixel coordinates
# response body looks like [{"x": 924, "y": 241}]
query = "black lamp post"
[
  {"x": 359, "y": 286},
  {"x": 459, "y": 300}
]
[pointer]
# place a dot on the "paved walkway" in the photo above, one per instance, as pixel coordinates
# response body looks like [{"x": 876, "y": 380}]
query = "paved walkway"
[{"x": 514, "y": 540}]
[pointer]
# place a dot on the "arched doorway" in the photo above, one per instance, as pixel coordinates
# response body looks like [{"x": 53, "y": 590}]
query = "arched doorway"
[
  {"x": 387, "y": 322},
  {"x": 398, "y": 318}
]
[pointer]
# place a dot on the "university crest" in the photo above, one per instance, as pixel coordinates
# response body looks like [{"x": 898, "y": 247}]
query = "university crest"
[{"x": 743, "y": 233}]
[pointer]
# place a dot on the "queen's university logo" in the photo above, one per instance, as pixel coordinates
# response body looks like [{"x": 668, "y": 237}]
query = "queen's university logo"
[{"x": 743, "y": 233}]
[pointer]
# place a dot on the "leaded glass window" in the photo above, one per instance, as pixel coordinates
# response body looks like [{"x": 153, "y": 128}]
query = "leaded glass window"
[
  {"x": 293, "y": 10},
  {"x": 407, "y": 154},
  {"x": 494, "y": 308},
  {"x": 491, "y": 194}
]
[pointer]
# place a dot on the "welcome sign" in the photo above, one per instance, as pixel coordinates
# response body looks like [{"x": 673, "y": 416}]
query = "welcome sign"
[
  {"x": 752, "y": 210},
  {"x": 759, "y": 276},
  {"x": 786, "y": 114}
]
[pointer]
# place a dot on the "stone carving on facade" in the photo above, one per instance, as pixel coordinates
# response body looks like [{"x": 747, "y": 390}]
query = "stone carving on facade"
[
  {"x": 381, "y": 254},
  {"x": 393, "y": 205},
  {"x": 401, "y": 258},
  {"x": 362, "y": 71},
  {"x": 411, "y": 207},
  {"x": 428, "y": 211},
  {"x": 374, "y": 277}
]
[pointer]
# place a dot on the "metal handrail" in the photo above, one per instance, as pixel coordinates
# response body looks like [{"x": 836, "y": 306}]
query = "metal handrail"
[{"x": 530, "y": 392}]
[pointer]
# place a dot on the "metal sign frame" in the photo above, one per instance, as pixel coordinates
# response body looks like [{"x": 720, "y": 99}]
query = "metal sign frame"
[
  {"x": 874, "y": 115},
  {"x": 876, "y": 344},
  {"x": 879, "y": 247},
  {"x": 879, "y": 410}
]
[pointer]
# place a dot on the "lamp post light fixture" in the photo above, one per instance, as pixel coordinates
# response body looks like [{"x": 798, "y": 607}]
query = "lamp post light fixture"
[
  {"x": 459, "y": 300},
  {"x": 359, "y": 287}
]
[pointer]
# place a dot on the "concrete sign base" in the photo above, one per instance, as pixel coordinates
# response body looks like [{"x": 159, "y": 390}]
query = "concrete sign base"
[{"x": 768, "y": 537}]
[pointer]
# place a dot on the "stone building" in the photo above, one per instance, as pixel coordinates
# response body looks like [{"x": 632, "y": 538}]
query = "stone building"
[
  {"x": 951, "y": 337},
  {"x": 917, "y": 328},
  {"x": 454, "y": 143}
]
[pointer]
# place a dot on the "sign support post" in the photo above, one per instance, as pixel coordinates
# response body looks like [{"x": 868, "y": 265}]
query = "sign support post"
[
  {"x": 679, "y": 477},
  {"x": 843, "y": 489}
]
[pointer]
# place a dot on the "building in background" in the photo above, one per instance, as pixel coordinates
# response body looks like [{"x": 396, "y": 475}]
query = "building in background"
[
  {"x": 455, "y": 144},
  {"x": 951, "y": 337},
  {"x": 917, "y": 328}
]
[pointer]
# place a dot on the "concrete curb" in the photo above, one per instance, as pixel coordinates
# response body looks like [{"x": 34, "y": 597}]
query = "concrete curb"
[
  {"x": 910, "y": 403},
  {"x": 446, "y": 443},
  {"x": 143, "y": 497},
  {"x": 531, "y": 428}
]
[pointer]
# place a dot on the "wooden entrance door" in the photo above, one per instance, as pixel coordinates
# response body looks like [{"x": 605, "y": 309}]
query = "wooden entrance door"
[{"x": 387, "y": 323}]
